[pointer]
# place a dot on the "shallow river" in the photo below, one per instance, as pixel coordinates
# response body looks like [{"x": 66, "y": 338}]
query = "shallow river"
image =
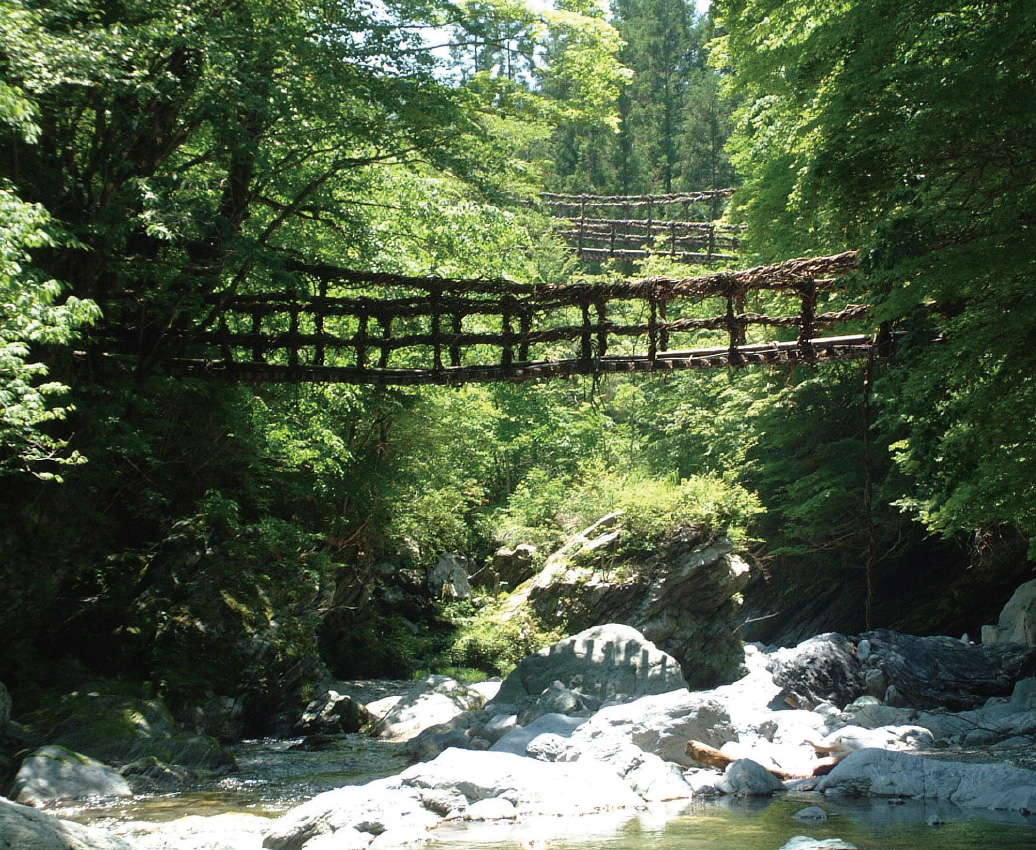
[{"x": 273, "y": 778}]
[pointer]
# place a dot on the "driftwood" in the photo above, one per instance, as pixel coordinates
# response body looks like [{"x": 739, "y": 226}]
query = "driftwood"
[{"x": 711, "y": 757}]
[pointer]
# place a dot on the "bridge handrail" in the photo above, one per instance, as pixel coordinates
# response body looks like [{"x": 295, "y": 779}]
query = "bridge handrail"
[{"x": 299, "y": 327}]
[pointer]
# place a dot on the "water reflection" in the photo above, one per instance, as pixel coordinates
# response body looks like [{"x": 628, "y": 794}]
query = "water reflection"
[{"x": 275, "y": 775}]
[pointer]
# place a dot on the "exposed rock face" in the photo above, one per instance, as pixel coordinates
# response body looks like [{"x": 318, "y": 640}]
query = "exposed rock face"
[
  {"x": 602, "y": 661},
  {"x": 932, "y": 672},
  {"x": 1017, "y": 622},
  {"x": 24, "y": 828},
  {"x": 684, "y": 600},
  {"x": 54, "y": 773},
  {"x": 5, "y": 708},
  {"x": 906, "y": 670},
  {"x": 508, "y": 568}
]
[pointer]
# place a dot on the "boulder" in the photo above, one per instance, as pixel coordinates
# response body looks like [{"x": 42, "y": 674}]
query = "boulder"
[
  {"x": 406, "y": 806},
  {"x": 822, "y": 669},
  {"x": 54, "y": 773},
  {"x": 448, "y": 579},
  {"x": 148, "y": 775},
  {"x": 119, "y": 730},
  {"x": 603, "y": 661},
  {"x": 227, "y": 831},
  {"x": 684, "y": 598},
  {"x": 332, "y": 713},
  {"x": 534, "y": 787},
  {"x": 25, "y": 828},
  {"x": 1017, "y": 623},
  {"x": 508, "y": 568},
  {"x": 746, "y": 778},
  {"x": 940, "y": 672},
  {"x": 663, "y": 724},
  {"x": 371, "y": 809},
  {"x": 893, "y": 774},
  {"x": 517, "y": 740},
  {"x": 431, "y": 702}
]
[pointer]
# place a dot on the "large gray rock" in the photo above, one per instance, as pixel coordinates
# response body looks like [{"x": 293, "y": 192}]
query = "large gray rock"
[
  {"x": 332, "y": 713},
  {"x": 423, "y": 795},
  {"x": 517, "y": 740},
  {"x": 684, "y": 598},
  {"x": 431, "y": 702},
  {"x": 448, "y": 579},
  {"x": 24, "y": 828},
  {"x": 53, "y": 773},
  {"x": 892, "y": 774},
  {"x": 663, "y": 724},
  {"x": 118, "y": 731},
  {"x": 227, "y": 831},
  {"x": 373, "y": 809},
  {"x": 508, "y": 568},
  {"x": 534, "y": 787},
  {"x": 747, "y": 778},
  {"x": 822, "y": 669},
  {"x": 603, "y": 661},
  {"x": 1017, "y": 623},
  {"x": 941, "y": 672}
]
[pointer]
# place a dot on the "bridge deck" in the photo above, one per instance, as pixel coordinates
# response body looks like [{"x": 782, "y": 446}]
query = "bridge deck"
[{"x": 819, "y": 350}]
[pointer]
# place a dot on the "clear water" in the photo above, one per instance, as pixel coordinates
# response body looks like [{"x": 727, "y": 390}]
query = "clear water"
[{"x": 273, "y": 778}]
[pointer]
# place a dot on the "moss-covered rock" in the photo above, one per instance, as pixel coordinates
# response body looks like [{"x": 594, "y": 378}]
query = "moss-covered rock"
[
  {"x": 120, "y": 730},
  {"x": 684, "y": 596}
]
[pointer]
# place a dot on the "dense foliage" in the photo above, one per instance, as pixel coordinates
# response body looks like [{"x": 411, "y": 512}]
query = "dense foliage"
[
  {"x": 161, "y": 157},
  {"x": 907, "y": 131}
]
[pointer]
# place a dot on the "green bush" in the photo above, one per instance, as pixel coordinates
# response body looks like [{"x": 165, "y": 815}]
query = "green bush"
[
  {"x": 653, "y": 509},
  {"x": 494, "y": 642}
]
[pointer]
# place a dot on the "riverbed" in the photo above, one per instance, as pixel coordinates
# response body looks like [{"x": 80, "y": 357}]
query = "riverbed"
[{"x": 276, "y": 775}]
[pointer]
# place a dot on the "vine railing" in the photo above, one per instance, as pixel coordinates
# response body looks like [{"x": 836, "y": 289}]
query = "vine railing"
[
  {"x": 415, "y": 330},
  {"x": 682, "y": 226}
]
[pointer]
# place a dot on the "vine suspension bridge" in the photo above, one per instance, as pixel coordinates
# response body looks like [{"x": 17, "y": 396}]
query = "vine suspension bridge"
[{"x": 343, "y": 326}]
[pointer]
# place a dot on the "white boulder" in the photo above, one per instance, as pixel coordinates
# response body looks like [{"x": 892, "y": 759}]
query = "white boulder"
[
  {"x": 433, "y": 701},
  {"x": 54, "y": 773},
  {"x": 25, "y": 828}
]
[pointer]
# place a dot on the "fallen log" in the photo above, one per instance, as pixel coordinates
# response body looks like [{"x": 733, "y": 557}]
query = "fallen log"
[{"x": 711, "y": 757}]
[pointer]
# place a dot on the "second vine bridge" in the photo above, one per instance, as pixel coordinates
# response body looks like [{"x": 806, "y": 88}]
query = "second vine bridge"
[{"x": 399, "y": 330}]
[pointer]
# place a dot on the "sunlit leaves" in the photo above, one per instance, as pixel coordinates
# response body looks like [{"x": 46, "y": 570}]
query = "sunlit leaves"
[{"x": 907, "y": 131}]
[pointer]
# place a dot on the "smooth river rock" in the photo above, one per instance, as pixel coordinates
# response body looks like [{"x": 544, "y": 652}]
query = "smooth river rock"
[
  {"x": 893, "y": 774},
  {"x": 54, "y": 773},
  {"x": 431, "y": 702},
  {"x": 407, "y": 805},
  {"x": 25, "y": 828}
]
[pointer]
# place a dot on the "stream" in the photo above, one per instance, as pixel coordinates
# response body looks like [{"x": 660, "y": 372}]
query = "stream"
[{"x": 274, "y": 777}]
